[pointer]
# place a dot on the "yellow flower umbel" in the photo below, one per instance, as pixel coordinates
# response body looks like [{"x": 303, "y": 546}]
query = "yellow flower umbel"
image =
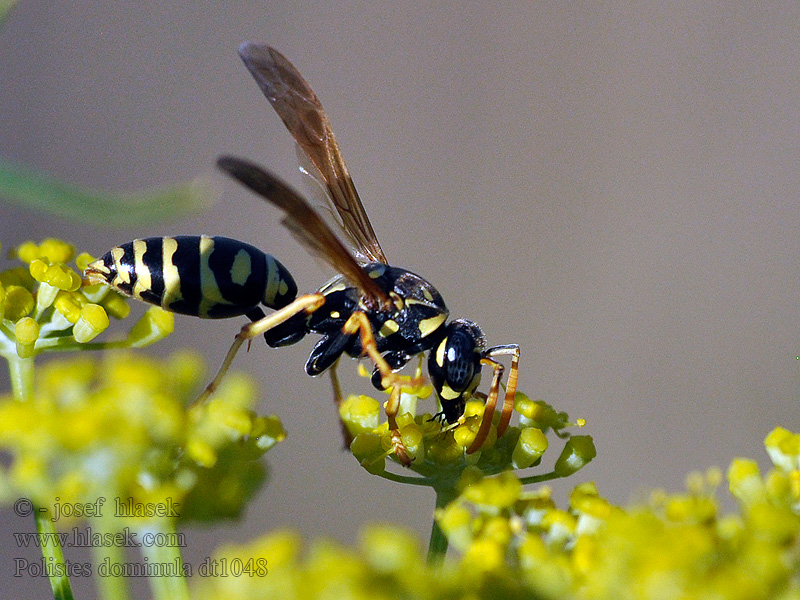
[
  {"x": 119, "y": 429},
  {"x": 45, "y": 306},
  {"x": 673, "y": 546},
  {"x": 438, "y": 450}
]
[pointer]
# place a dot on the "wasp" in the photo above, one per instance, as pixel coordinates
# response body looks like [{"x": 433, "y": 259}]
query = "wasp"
[{"x": 370, "y": 308}]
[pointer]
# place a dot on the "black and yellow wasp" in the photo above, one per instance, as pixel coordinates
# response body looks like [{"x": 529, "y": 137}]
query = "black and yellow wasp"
[{"x": 387, "y": 313}]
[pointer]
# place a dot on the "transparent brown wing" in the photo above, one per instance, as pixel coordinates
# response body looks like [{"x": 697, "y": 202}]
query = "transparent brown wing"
[
  {"x": 304, "y": 222},
  {"x": 301, "y": 111}
]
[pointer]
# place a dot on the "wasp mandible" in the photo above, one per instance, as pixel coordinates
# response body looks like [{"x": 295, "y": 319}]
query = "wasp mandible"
[{"x": 371, "y": 308}]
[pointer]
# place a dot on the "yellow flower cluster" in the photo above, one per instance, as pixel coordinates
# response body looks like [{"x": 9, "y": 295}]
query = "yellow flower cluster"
[
  {"x": 44, "y": 305},
  {"x": 519, "y": 544},
  {"x": 119, "y": 429},
  {"x": 438, "y": 450}
]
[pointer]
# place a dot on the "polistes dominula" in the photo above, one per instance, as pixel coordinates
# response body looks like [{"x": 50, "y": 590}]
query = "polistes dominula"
[{"x": 388, "y": 313}]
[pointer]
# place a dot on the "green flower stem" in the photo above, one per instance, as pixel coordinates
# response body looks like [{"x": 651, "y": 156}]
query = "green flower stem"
[
  {"x": 169, "y": 587},
  {"x": 437, "y": 546},
  {"x": 21, "y": 373},
  {"x": 540, "y": 478},
  {"x": 110, "y": 587},
  {"x": 408, "y": 480},
  {"x": 53, "y": 555}
]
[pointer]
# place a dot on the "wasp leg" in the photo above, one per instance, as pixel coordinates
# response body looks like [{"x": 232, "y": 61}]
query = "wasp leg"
[
  {"x": 511, "y": 384},
  {"x": 308, "y": 303},
  {"x": 494, "y": 392},
  {"x": 359, "y": 323},
  {"x": 338, "y": 398}
]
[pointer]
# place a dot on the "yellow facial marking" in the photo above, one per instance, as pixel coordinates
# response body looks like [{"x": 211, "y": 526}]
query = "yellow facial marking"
[
  {"x": 427, "y": 293},
  {"x": 428, "y": 326},
  {"x": 448, "y": 393},
  {"x": 440, "y": 353}
]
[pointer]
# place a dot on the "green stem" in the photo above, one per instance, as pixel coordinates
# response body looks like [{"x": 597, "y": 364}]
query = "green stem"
[
  {"x": 540, "y": 478},
  {"x": 406, "y": 479},
  {"x": 110, "y": 587},
  {"x": 53, "y": 555},
  {"x": 437, "y": 547},
  {"x": 21, "y": 373},
  {"x": 172, "y": 585}
]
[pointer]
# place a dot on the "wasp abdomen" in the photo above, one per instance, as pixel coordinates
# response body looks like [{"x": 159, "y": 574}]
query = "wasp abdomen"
[{"x": 202, "y": 276}]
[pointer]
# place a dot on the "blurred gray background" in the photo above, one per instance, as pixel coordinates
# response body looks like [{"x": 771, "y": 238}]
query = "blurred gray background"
[{"x": 613, "y": 187}]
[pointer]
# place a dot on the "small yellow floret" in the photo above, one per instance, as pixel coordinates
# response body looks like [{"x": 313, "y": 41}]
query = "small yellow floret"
[
  {"x": 19, "y": 302},
  {"x": 155, "y": 324},
  {"x": 532, "y": 443},
  {"x": 26, "y": 332},
  {"x": 360, "y": 414},
  {"x": 92, "y": 321},
  {"x": 116, "y": 305}
]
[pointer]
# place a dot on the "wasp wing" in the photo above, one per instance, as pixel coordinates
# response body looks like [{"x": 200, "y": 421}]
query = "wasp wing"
[
  {"x": 304, "y": 222},
  {"x": 301, "y": 111}
]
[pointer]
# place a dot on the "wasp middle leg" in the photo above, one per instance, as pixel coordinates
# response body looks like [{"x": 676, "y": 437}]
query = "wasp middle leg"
[{"x": 308, "y": 303}]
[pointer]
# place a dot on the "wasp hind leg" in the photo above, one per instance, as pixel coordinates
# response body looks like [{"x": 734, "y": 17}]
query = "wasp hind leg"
[
  {"x": 494, "y": 392},
  {"x": 359, "y": 323},
  {"x": 308, "y": 303}
]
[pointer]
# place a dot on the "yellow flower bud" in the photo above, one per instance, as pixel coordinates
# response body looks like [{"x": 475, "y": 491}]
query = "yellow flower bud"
[
  {"x": 19, "y": 302},
  {"x": 201, "y": 452},
  {"x": 27, "y": 251},
  {"x": 116, "y": 305},
  {"x": 26, "y": 332},
  {"x": 411, "y": 435},
  {"x": 155, "y": 325},
  {"x": 56, "y": 251},
  {"x": 360, "y": 414},
  {"x": 268, "y": 431},
  {"x": 82, "y": 261},
  {"x": 745, "y": 480},
  {"x": 69, "y": 305},
  {"x": 578, "y": 451},
  {"x": 530, "y": 446},
  {"x": 92, "y": 321}
]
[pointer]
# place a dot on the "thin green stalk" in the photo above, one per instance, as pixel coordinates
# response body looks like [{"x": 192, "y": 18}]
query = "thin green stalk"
[
  {"x": 110, "y": 587},
  {"x": 53, "y": 555},
  {"x": 172, "y": 585},
  {"x": 21, "y": 373},
  {"x": 437, "y": 546}
]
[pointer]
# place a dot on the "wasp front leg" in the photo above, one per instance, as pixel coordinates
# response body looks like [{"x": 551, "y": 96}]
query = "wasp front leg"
[
  {"x": 308, "y": 303},
  {"x": 359, "y": 323},
  {"x": 494, "y": 392}
]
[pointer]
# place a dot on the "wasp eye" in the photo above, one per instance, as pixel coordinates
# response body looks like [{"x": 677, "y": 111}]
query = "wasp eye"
[{"x": 460, "y": 360}]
